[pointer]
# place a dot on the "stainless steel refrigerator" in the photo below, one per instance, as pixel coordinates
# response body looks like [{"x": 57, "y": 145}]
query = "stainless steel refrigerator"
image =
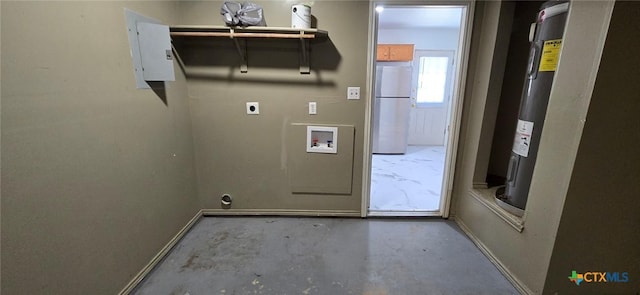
[{"x": 391, "y": 109}]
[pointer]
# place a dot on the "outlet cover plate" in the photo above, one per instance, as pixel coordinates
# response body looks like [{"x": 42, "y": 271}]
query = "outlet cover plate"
[
  {"x": 253, "y": 108},
  {"x": 353, "y": 92}
]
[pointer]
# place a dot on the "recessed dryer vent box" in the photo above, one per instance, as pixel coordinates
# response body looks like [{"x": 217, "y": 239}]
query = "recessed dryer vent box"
[{"x": 321, "y": 139}]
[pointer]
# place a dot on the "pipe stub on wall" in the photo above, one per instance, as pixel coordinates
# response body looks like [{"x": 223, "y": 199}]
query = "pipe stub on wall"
[{"x": 226, "y": 200}]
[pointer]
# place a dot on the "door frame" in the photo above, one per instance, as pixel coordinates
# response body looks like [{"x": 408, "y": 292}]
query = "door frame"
[{"x": 457, "y": 100}]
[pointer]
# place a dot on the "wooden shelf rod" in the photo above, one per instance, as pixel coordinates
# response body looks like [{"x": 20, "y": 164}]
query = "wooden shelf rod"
[{"x": 243, "y": 35}]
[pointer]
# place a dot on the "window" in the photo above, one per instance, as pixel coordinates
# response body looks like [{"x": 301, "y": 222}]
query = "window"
[
  {"x": 432, "y": 79},
  {"x": 432, "y": 75}
]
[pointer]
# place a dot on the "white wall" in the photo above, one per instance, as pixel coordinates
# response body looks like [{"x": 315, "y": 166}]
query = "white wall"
[
  {"x": 426, "y": 124},
  {"x": 423, "y": 38}
]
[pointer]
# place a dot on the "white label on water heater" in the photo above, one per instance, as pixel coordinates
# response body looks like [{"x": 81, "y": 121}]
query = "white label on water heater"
[{"x": 523, "y": 138}]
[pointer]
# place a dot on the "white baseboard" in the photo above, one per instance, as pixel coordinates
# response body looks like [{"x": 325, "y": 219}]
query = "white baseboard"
[
  {"x": 276, "y": 212},
  {"x": 163, "y": 252},
  {"x": 391, "y": 213},
  {"x": 505, "y": 271}
]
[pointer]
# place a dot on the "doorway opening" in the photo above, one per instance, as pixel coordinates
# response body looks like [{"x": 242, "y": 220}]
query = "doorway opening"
[{"x": 414, "y": 107}]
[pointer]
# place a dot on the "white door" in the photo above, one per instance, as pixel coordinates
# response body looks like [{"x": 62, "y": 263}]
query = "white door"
[{"x": 430, "y": 96}]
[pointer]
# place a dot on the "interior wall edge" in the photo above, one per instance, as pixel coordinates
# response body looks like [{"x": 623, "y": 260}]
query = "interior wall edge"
[
  {"x": 519, "y": 285},
  {"x": 161, "y": 254}
]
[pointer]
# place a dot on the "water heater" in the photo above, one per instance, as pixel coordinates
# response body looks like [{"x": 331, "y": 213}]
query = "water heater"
[{"x": 546, "y": 43}]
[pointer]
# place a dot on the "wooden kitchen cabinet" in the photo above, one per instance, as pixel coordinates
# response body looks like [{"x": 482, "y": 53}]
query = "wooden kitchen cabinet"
[{"x": 395, "y": 52}]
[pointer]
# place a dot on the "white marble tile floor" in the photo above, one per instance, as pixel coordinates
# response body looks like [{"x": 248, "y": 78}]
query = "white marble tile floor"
[{"x": 409, "y": 182}]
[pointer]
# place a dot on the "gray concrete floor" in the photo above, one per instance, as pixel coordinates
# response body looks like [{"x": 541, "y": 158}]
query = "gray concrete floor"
[{"x": 281, "y": 255}]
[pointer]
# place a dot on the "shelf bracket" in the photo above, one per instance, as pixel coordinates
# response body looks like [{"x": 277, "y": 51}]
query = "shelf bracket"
[
  {"x": 242, "y": 51},
  {"x": 304, "y": 54}
]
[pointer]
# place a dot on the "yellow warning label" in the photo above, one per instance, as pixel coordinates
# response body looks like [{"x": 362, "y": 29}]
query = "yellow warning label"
[{"x": 550, "y": 55}]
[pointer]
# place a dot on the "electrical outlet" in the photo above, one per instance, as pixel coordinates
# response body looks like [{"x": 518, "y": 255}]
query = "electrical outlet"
[
  {"x": 353, "y": 92},
  {"x": 313, "y": 108},
  {"x": 253, "y": 108}
]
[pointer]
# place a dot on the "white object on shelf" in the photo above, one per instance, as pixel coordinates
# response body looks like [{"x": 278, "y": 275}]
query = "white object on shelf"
[
  {"x": 151, "y": 53},
  {"x": 301, "y": 16},
  {"x": 322, "y": 139}
]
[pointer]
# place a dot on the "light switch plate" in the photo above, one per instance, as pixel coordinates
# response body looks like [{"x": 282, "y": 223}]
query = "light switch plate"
[
  {"x": 353, "y": 92},
  {"x": 313, "y": 108},
  {"x": 253, "y": 108}
]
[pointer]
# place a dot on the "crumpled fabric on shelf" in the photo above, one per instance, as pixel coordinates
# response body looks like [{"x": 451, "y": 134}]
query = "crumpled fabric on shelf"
[{"x": 245, "y": 14}]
